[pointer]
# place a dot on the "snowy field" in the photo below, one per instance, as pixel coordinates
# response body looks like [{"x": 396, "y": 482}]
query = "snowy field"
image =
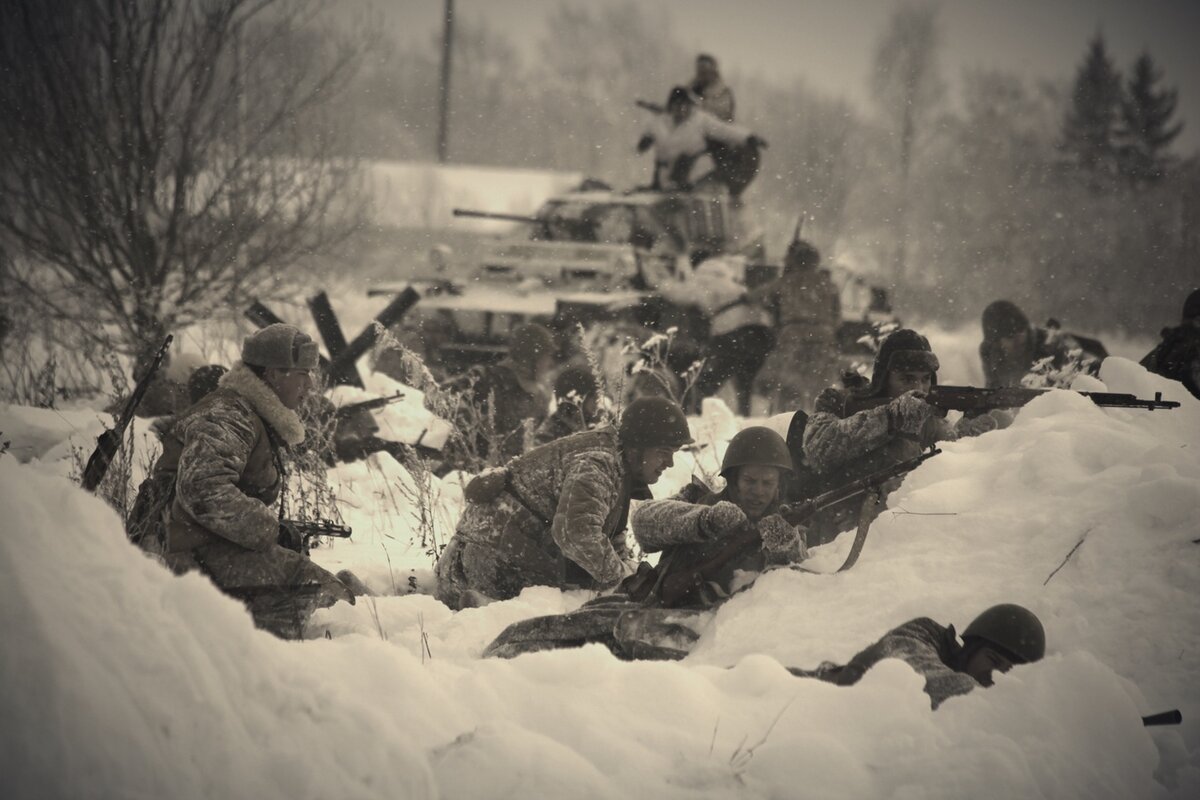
[{"x": 121, "y": 680}]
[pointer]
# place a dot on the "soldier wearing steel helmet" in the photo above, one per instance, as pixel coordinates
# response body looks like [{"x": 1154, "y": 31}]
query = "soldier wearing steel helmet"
[
  {"x": 556, "y": 516},
  {"x": 998, "y": 639},
  {"x": 692, "y": 527}
]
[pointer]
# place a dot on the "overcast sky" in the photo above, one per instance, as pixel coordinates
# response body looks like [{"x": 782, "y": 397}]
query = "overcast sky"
[{"x": 830, "y": 42}]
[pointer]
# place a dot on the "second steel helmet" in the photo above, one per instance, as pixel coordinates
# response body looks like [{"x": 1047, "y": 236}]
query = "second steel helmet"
[
  {"x": 757, "y": 445},
  {"x": 1014, "y": 629},
  {"x": 654, "y": 422}
]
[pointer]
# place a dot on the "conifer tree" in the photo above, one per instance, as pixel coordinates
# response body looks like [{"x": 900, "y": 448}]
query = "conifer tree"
[
  {"x": 1146, "y": 129},
  {"x": 1090, "y": 132}
]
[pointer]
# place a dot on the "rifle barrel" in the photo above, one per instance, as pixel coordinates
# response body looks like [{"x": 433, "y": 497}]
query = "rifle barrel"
[{"x": 1172, "y": 717}]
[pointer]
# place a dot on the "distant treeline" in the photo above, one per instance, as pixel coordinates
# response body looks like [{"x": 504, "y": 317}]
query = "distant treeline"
[{"x": 1061, "y": 195}]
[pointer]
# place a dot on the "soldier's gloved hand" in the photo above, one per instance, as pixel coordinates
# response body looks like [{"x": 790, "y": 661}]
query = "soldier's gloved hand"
[
  {"x": 781, "y": 539},
  {"x": 908, "y": 413},
  {"x": 1003, "y": 416},
  {"x": 290, "y": 538},
  {"x": 721, "y": 519}
]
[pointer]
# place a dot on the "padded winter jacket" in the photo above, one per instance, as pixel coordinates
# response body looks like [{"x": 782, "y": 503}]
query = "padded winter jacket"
[{"x": 559, "y": 520}]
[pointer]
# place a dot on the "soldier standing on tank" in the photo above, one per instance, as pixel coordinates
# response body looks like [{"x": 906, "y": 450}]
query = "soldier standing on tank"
[
  {"x": 1177, "y": 356},
  {"x": 223, "y": 460},
  {"x": 998, "y": 639},
  {"x": 805, "y": 303},
  {"x": 715, "y": 95},
  {"x": 695, "y": 525},
  {"x": 556, "y": 516}
]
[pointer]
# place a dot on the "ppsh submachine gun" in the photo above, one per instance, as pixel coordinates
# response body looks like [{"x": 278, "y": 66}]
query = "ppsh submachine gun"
[
  {"x": 298, "y": 535},
  {"x": 673, "y": 584}
]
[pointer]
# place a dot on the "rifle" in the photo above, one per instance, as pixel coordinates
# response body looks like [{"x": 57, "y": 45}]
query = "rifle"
[
  {"x": 295, "y": 534},
  {"x": 344, "y": 413},
  {"x": 675, "y": 586},
  {"x": 973, "y": 400},
  {"x": 110, "y": 441},
  {"x": 654, "y": 107}
]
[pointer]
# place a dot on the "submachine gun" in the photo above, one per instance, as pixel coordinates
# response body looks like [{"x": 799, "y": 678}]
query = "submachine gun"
[
  {"x": 297, "y": 535},
  {"x": 109, "y": 442},
  {"x": 671, "y": 586}
]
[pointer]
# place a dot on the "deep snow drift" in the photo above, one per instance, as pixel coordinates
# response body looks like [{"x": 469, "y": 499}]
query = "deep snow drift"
[{"x": 118, "y": 679}]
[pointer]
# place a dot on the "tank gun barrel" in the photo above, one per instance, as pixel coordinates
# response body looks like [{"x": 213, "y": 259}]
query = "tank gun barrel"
[{"x": 470, "y": 212}]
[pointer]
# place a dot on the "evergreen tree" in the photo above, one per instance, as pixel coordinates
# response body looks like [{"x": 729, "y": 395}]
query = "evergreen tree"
[
  {"x": 1089, "y": 134},
  {"x": 1146, "y": 129}
]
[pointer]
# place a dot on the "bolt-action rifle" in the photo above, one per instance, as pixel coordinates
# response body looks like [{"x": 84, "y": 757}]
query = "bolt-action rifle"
[
  {"x": 109, "y": 442},
  {"x": 972, "y": 400},
  {"x": 674, "y": 585},
  {"x": 297, "y": 534}
]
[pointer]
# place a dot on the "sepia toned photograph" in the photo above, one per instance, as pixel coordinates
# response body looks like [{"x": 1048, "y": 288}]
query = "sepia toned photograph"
[{"x": 520, "y": 399}]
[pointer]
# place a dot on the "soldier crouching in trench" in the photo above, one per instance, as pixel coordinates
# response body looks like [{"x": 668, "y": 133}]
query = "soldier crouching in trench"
[
  {"x": 556, "y": 515},
  {"x": 695, "y": 528},
  {"x": 225, "y": 455}
]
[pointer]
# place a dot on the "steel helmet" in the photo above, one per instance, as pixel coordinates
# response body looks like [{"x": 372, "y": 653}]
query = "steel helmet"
[
  {"x": 654, "y": 422},
  {"x": 1011, "y": 628},
  {"x": 757, "y": 445}
]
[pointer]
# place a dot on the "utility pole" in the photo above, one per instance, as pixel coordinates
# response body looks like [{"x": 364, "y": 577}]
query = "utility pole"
[{"x": 443, "y": 144}]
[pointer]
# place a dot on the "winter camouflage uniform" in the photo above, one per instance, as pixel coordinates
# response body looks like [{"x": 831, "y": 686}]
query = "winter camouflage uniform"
[
  {"x": 716, "y": 98},
  {"x": 927, "y": 647},
  {"x": 222, "y": 461},
  {"x": 552, "y": 517},
  {"x": 843, "y": 445},
  {"x": 675, "y": 527},
  {"x": 518, "y": 397},
  {"x": 804, "y": 360}
]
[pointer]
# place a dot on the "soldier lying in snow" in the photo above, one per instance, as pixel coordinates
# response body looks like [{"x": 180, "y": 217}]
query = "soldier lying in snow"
[
  {"x": 997, "y": 639},
  {"x": 556, "y": 515},
  {"x": 1177, "y": 356},
  {"x": 222, "y": 470},
  {"x": 842, "y": 443}
]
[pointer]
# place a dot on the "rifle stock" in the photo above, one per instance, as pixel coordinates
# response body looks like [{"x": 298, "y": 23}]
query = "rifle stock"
[
  {"x": 109, "y": 442},
  {"x": 675, "y": 586}
]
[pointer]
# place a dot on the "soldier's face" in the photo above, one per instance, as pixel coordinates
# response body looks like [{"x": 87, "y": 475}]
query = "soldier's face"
[
  {"x": 653, "y": 462},
  {"x": 900, "y": 381},
  {"x": 757, "y": 487},
  {"x": 680, "y": 111},
  {"x": 983, "y": 662},
  {"x": 291, "y": 385},
  {"x": 1015, "y": 344},
  {"x": 706, "y": 71}
]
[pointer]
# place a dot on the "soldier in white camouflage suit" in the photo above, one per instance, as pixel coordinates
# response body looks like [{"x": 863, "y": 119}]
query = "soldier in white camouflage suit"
[
  {"x": 225, "y": 454},
  {"x": 843, "y": 444},
  {"x": 556, "y": 516},
  {"x": 996, "y": 640}
]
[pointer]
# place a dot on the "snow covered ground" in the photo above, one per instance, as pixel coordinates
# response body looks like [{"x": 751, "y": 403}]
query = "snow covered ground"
[{"x": 119, "y": 680}]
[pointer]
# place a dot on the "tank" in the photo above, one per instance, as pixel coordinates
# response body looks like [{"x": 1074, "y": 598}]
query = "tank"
[{"x": 584, "y": 257}]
